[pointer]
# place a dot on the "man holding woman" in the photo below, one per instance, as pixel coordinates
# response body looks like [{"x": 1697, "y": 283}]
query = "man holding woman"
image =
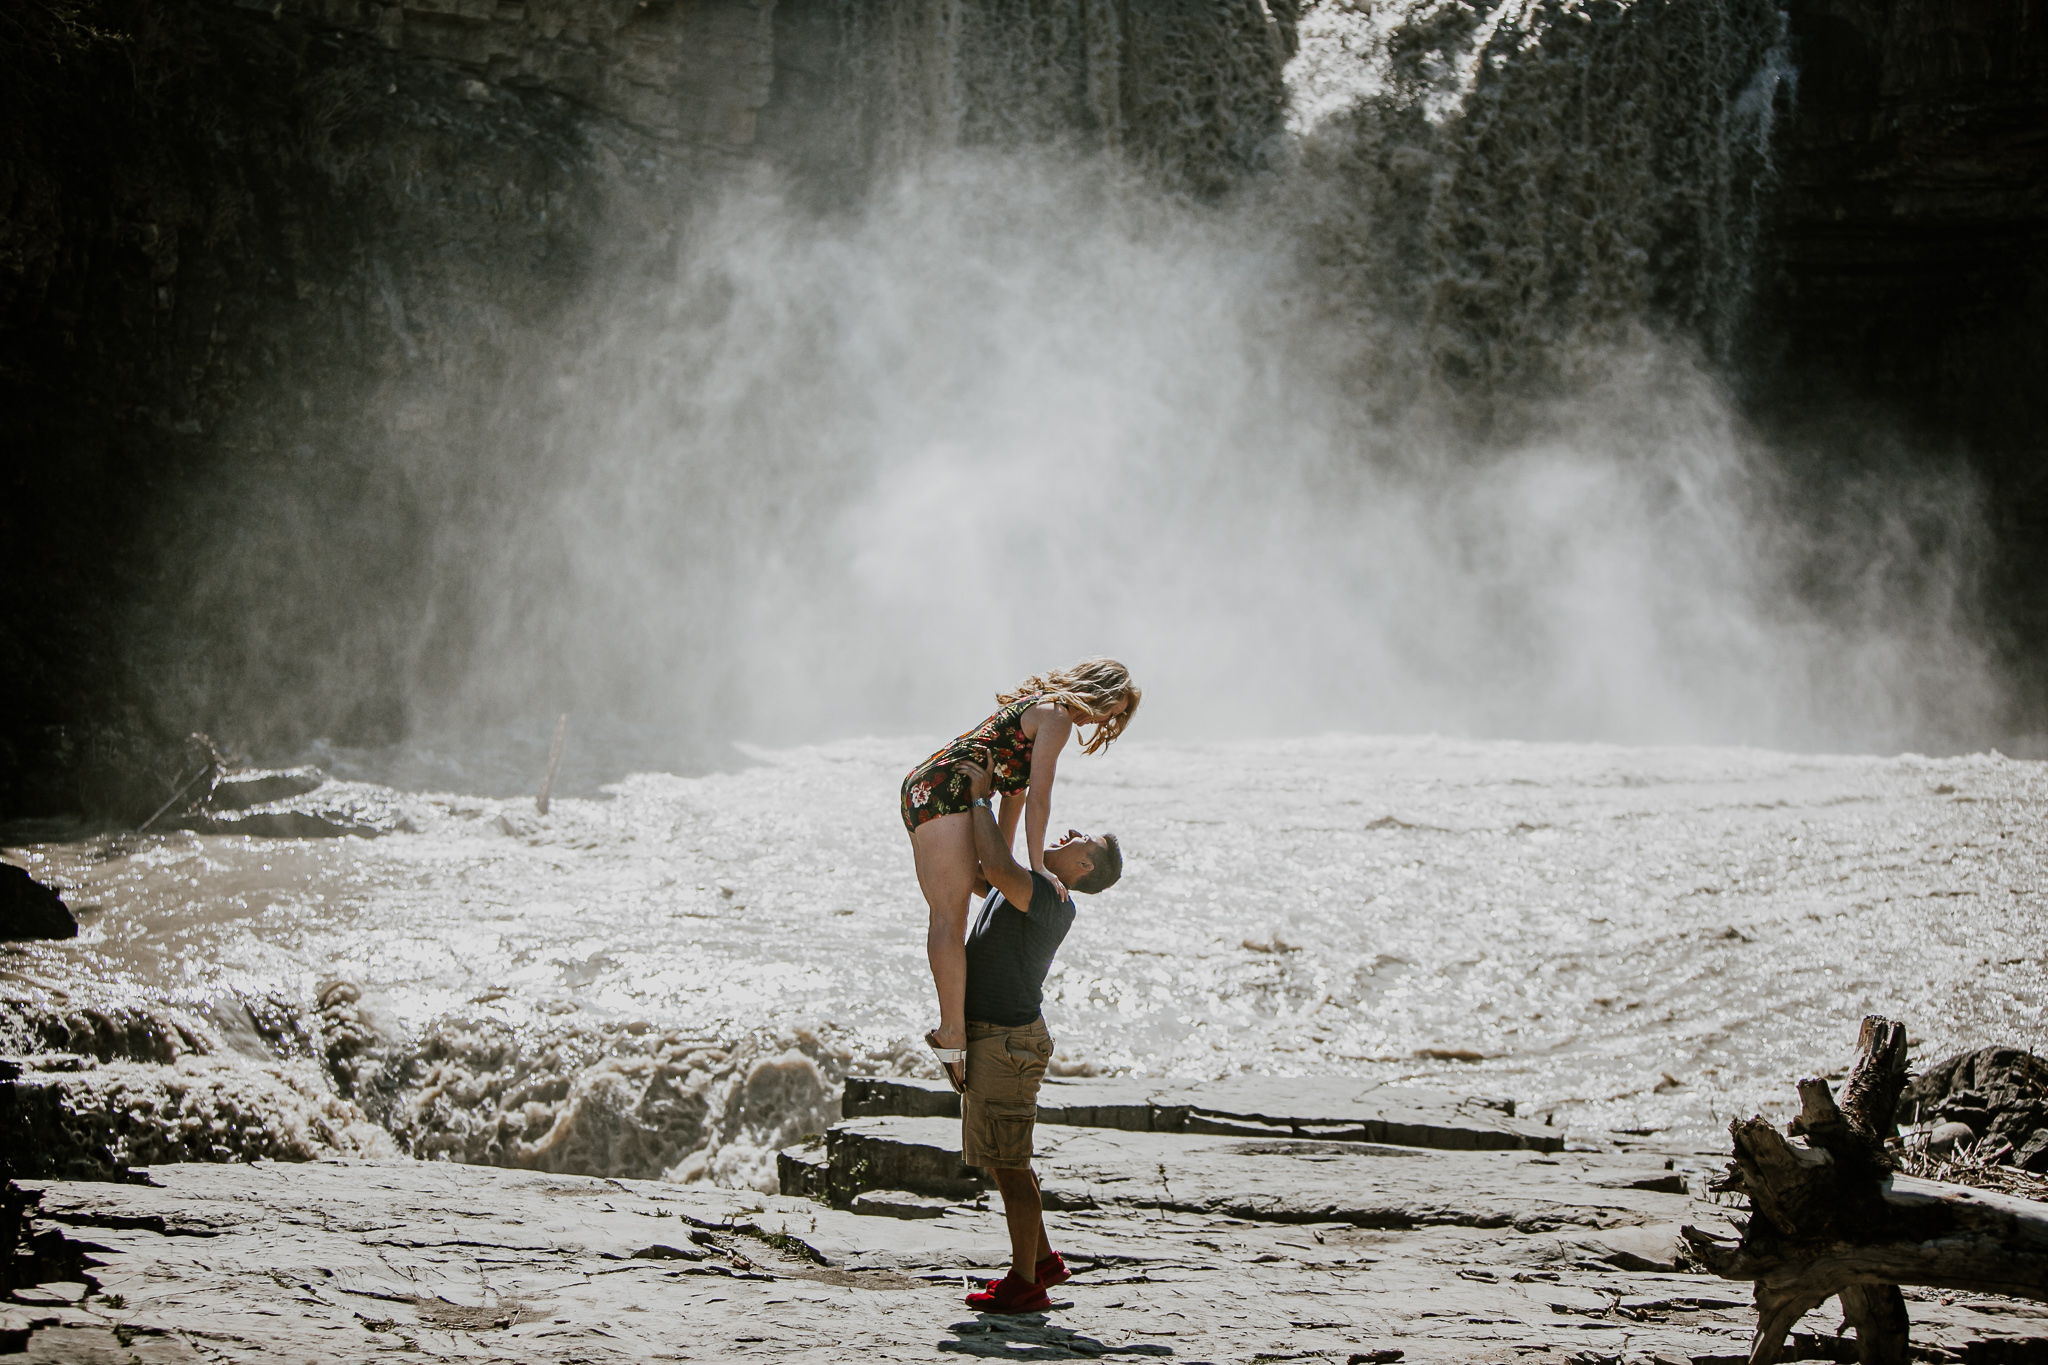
[{"x": 991, "y": 1040}]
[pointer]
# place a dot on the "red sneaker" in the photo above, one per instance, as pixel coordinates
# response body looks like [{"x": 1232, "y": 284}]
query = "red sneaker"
[
  {"x": 1051, "y": 1271},
  {"x": 1010, "y": 1295}
]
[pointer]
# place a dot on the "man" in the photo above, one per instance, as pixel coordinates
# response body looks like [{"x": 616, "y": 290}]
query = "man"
[{"x": 1009, "y": 950}]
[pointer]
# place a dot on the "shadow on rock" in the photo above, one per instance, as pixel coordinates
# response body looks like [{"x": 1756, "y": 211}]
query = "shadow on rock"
[{"x": 1028, "y": 1336}]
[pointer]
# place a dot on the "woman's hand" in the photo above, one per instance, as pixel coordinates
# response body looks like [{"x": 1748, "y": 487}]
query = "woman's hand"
[{"x": 1038, "y": 865}]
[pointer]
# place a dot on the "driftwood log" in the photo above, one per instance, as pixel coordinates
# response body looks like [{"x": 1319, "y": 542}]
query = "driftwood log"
[{"x": 1830, "y": 1217}]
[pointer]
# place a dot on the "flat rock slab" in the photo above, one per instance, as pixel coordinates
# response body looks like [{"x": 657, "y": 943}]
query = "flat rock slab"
[
  {"x": 359, "y": 1260},
  {"x": 1325, "y": 1108},
  {"x": 1282, "y": 1180},
  {"x": 900, "y": 1204}
]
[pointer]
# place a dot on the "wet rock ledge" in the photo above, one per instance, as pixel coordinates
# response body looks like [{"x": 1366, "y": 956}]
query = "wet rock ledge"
[{"x": 1202, "y": 1225}]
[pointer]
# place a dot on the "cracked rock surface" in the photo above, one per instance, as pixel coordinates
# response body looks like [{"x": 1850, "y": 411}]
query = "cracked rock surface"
[{"x": 351, "y": 1260}]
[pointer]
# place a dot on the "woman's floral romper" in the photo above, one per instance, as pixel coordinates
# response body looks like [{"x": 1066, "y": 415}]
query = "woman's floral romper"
[{"x": 937, "y": 786}]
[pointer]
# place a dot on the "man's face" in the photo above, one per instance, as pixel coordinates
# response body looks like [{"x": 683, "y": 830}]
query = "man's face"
[{"x": 1072, "y": 849}]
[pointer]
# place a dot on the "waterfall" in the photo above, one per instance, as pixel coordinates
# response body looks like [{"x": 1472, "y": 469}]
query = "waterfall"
[
  {"x": 1524, "y": 184},
  {"x": 1512, "y": 185},
  {"x": 1350, "y": 366},
  {"x": 1193, "y": 93}
]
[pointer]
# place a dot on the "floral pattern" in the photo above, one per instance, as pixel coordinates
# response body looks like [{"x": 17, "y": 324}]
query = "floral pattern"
[{"x": 938, "y": 787}]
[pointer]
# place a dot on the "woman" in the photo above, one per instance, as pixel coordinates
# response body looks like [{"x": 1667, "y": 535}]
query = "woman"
[{"x": 1020, "y": 744}]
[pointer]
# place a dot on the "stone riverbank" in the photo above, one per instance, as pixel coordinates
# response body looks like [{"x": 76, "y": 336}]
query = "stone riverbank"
[{"x": 1267, "y": 1236}]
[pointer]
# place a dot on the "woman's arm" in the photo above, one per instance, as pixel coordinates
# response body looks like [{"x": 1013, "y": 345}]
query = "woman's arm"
[{"x": 1053, "y": 728}]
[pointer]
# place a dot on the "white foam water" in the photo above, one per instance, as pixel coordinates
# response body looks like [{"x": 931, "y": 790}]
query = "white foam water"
[
  {"x": 1408, "y": 419},
  {"x": 674, "y": 978}
]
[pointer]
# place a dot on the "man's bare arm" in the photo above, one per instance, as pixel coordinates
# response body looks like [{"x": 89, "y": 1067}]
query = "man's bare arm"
[
  {"x": 1002, "y": 870},
  {"x": 1007, "y": 817}
]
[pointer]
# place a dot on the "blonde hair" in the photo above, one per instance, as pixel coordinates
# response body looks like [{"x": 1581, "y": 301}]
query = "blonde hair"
[{"x": 1090, "y": 687}]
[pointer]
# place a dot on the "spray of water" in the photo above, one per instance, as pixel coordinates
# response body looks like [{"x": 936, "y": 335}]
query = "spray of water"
[
  {"x": 1421, "y": 425},
  {"x": 838, "y": 475},
  {"x": 1047, "y": 331}
]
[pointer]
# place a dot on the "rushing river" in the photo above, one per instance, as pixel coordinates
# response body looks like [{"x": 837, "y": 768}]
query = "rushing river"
[{"x": 1623, "y": 939}]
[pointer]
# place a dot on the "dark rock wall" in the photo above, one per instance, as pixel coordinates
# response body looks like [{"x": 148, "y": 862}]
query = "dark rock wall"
[
  {"x": 122, "y": 257},
  {"x": 246, "y": 249},
  {"x": 691, "y": 72},
  {"x": 1906, "y": 280},
  {"x": 271, "y": 275}
]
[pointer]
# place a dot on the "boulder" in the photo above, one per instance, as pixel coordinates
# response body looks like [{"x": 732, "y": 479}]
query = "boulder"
[
  {"x": 261, "y": 786},
  {"x": 2000, "y": 1094},
  {"x": 296, "y": 803},
  {"x": 1949, "y": 1135},
  {"x": 2033, "y": 1154},
  {"x": 30, "y": 910}
]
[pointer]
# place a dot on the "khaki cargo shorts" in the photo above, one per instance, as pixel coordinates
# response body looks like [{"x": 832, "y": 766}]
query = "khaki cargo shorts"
[{"x": 1004, "y": 1066}]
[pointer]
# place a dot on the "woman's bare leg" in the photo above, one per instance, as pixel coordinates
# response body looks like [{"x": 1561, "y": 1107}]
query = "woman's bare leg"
[{"x": 946, "y": 868}]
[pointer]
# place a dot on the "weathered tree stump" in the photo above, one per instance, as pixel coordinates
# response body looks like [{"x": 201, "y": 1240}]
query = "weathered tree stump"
[{"x": 1831, "y": 1217}]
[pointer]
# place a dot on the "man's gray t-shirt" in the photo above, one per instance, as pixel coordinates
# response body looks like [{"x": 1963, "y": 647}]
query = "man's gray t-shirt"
[{"x": 1009, "y": 953}]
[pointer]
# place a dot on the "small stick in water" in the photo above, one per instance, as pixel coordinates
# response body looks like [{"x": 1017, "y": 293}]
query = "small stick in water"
[
  {"x": 547, "y": 784},
  {"x": 193, "y": 781}
]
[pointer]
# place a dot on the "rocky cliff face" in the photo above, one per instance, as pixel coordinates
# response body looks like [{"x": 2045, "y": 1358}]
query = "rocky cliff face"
[
  {"x": 300, "y": 244},
  {"x": 296, "y": 243},
  {"x": 245, "y": 242},
  {"x": 690, "y": 72},
  {"x": 1907, "y": 263}
]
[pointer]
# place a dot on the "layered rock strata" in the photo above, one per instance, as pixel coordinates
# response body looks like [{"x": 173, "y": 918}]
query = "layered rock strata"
[
  {"x": 1138, "y": 1142},
  {"x": 1328, "y": 1108},
  {"x": 351, "y": 1260}
]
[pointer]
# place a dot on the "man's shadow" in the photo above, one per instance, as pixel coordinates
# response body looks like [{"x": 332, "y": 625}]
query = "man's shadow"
[{"x": 1028, "y": 1336}]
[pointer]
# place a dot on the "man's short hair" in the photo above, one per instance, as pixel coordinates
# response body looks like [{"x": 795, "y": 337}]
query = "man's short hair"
[{"x": 1108, "y": 867}]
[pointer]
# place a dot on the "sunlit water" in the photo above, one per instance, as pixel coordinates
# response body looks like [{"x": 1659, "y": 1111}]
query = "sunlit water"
[{"x": 1621, "y": 939}]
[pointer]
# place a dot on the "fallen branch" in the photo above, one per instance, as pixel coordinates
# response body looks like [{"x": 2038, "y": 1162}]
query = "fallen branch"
[
  {"x": 211, "y": 768},
  {"x": 1833, "y": 1218}
]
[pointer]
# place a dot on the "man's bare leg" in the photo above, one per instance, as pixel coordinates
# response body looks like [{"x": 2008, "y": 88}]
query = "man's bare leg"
[{"x": 1024, "y": 1213}]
